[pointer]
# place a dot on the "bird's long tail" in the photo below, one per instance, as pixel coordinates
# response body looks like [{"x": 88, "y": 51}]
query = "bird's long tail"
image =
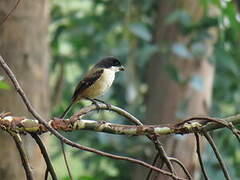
[{"x": 67, "y": 110}]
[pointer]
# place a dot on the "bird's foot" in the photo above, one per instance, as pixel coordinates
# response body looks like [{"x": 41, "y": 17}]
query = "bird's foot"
[
  {"x": 97, "y": 105},
  {"x": 108, "y": 105}
]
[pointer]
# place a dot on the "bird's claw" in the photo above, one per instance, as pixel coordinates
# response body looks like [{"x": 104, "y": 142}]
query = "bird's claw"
[
  {"x": 97, "y": 106},
  {"x": 106, "y": 104}
]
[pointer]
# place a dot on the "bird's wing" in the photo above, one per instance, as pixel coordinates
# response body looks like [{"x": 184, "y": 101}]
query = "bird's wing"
[{"x": 87, "y": 81}]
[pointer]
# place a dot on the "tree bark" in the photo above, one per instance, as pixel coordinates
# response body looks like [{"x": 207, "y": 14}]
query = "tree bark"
[
  {"x": 23, "y": 43},
  {"x": 166, "y": 97}
]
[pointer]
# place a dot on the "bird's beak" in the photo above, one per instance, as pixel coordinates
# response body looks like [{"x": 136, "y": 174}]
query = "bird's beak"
[{"x": 121, "y": 68}]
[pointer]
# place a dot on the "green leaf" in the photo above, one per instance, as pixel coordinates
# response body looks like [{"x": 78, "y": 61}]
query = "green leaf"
[
  {"x": 181, "y": 50},
  {"x": 197, "y": 83},
  {"x": 180, "y": 16},
  {"x": 174, "y": 73},
  {"x": 198, "y": 49},
  {"x": 4, "y": 85},
  {"x": 140, "y": 30},
  {"x": 146, "y": 52}
]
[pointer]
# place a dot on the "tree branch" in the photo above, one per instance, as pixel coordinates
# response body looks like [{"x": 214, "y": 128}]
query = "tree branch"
[
  {"x": 200, "y": 157},
  {"x": 218, "y": 155},
  {"x": 65, "y": 140},
  {"x": 45, "y": 155},
  {"x": 25, "y": 162},
  {"x": 65, "y": 160},
  {"x": 182, "y": 166},
  {"x": 22, "y": 124}
]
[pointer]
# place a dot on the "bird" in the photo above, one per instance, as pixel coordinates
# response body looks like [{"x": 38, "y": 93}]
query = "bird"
[{"x": 96, "y": 82}]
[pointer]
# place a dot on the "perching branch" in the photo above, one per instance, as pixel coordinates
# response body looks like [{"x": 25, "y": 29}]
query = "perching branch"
[
  {"x": 65, "y": 140},
  {"x": 22, "y": 124}
]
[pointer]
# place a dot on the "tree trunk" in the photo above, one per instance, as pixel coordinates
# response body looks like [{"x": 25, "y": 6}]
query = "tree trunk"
[
  {"x": 23, "y": 43},
  {"x": 168, "y": 98}
]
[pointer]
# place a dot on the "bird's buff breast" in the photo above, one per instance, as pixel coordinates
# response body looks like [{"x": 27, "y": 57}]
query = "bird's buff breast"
[{"x": 101, "y": 85}]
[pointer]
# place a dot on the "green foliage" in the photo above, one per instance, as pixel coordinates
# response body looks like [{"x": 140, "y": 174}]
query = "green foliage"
[
  {"x": 3, "y": 85},
  {"x": 226, "y": 96},
  {"x": 140, "y": 30}
]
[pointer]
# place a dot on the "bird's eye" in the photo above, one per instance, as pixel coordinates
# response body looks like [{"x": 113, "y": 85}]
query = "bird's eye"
[{"x": 116, "y": 63}]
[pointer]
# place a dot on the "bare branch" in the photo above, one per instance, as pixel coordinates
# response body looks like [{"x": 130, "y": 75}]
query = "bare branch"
[
  {"x": 182, "y": 166},
  {"x": 213, "y": 126},
  {"x": 235, "y": 131},
  {"x": 163, "y": 154},
  {"x": 25, "y": 162},
  {"x": 113, "y": 108},
  {"x": 218, "y": 155},
  {"x": 152, "y": 136},
  {"x": 154, "y": 162},
  {"x": 200, "y": 157},
  {"x": 65, "y": 140},
  {"x": 65, "y": 160},
  {"x": 45, "y": 155}
]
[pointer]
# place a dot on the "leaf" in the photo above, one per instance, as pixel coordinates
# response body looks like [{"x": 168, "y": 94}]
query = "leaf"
[
  {"x": 180, "y": 16},
  {"x": 174, "y": 73},
  {"x": 197, "y": 83},
  {"x": 146, "y": 52},
  {"x": 181, "y": 50},
  {"x": 4, "y": 85},
  {"x": 198, "y": 49},
  {"x": 140, "y": 30}
]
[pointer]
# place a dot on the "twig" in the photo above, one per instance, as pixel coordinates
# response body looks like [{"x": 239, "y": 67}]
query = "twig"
[
  {"x": 65, "y": 160},
  {"x": 218, "y": 155},
  {"x": 204, "y": 119},
  {"x": 200, "y": 157},
  {"x": 65, "y": 140},
  {"x": 235, "y": 131},
  {"x": 46, "y": 174},
  {"x": 154, "y": 162},
  {"x": 182, "y": 166},
  {"x": 45, "y": 155},
  {"x": 113, "y": 108},
  {"x": 212, "y": 126},
  {"x": 25, "y": 162},
  {"x": 22, "y": 125},
  {"x": 163, "y": 153},
  {"x": 134, "y": 120},
  {"x": 9, "y": 13},
  {"x": 217, "y": 123}
]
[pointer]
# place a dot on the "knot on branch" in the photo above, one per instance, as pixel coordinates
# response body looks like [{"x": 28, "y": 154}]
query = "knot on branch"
[
  {"x": 188, "y": 127},
  {"x": 11, "y": 123},
  {"x": 61, "y": 124}
]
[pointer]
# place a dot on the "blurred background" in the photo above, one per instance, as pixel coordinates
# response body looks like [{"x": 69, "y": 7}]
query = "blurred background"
[{"x": 181, "y": 59}]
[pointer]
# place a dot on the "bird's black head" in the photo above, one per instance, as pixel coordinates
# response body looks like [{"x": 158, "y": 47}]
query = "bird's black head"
[{"x": 109, "y": 62}]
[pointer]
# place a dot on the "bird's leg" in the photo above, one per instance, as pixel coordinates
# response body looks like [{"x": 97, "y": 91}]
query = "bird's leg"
[
  {"x": 108, "y": 105},
  {"x": 95, "y": 103}
]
